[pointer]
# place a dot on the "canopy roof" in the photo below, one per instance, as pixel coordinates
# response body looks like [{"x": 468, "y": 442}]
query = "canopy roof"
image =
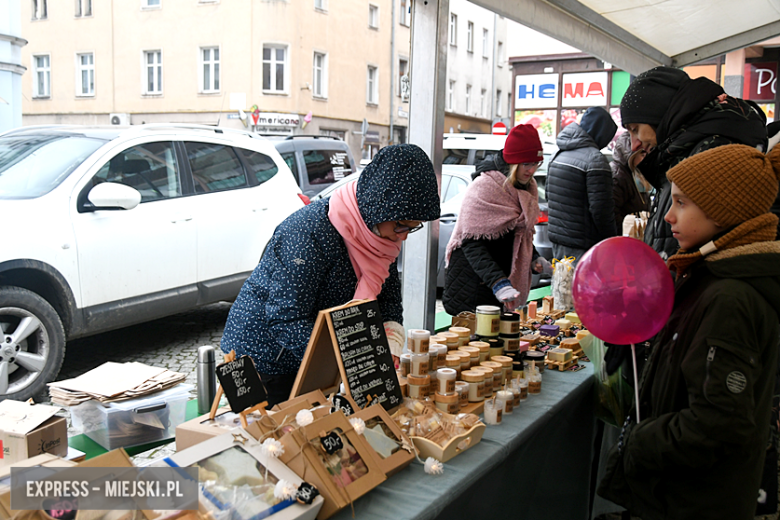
[{"x": 636, "y": 35}]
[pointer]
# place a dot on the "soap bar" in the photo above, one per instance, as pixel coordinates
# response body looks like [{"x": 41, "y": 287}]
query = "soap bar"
[
  {"x": 548, "y": 304},
  {"x": 549, "y": 330},
  {"x": 559, "y": 354},
  {"x": 531, "y": 310},
  {"x": 523, "y": 346},
  {"x": 564, "y": 324},
  {"x": 573, "y": 317}
]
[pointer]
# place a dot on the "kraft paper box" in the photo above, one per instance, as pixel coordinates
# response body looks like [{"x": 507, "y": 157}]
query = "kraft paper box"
[
  {"x": 202, "y": 428},
  {"x": 314, "y": 398},
  {"x": 27, "y": 430},
  {"x": 393, "y": 450}
]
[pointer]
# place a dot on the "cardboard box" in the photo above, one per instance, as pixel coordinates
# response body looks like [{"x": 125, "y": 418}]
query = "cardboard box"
[
  {"x": 27, "y": 430},
  {"x": 202, "y": 428},
  {"x": 402, "y": 455},
  {"x": 313, "y": 398}
]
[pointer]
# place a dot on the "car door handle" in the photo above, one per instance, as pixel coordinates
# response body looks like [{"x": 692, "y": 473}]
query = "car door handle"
[
  {"x": 448, "y": 219},
  {"x": 181, "y": 219}
]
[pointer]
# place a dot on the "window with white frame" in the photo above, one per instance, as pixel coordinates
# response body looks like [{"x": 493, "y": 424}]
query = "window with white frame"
[
  {"x": 451, "y": 96},
  {"x": 274, "y": 68},
  {"x": 83, "y": 8},
  {"x": 209, "y": 69},
  {"x": 153, "y": 70},
  {"x": 42, "y": 81},
  {"x": 468, "y": 99},
  {"x": 500, "y": 54},
  {"x": 482, "y": 101},
  {"x": 470, "y": 37},
  {"x": 322, "y": 5},
  {"x": 373, "y": 16},
  {"x": 151, "y": 4},
  {"x": 372, "y": 85},
  {"x": 404, "y": 14},
  {"x": 320, "y": 75},
  {"x": 499, "y": 112},
  {"x": 85, "y": 71},
  {"x": 485, "y": 44},
  {"x": 403, "y": 70},
  {"x": 453, "y": 29},
  {"x": 39, "y": 9}
]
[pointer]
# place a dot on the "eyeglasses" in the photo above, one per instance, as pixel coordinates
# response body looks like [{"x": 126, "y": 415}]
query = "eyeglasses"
[
  {"x": 400, "y": 228},
  {"x": 532, "y": 164}
]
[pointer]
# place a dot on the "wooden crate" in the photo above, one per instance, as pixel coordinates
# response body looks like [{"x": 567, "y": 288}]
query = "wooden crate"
[{"x": 560, "y": 365}]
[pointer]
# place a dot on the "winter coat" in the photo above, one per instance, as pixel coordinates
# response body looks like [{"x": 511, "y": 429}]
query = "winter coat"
[
  {"x": 477, "y": 265},
  {"x": 696, "y": 121},
  {"x": 706, "y": 395},
  {"x": 625, "y": 192},
  {"x": 579, "y": 192}
]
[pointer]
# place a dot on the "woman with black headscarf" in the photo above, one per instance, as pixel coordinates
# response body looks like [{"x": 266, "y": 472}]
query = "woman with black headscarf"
[{"x": 326, "y": 254}]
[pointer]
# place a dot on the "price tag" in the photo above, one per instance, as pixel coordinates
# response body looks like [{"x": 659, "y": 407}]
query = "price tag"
[
  {"x": 340, "y": 403},
  {"x": 331, "y": 443},
  {"x": 306, "y": 493}
]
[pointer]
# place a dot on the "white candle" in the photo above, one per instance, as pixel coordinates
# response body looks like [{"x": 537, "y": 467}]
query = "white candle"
[{"x": 492, "y": 412}]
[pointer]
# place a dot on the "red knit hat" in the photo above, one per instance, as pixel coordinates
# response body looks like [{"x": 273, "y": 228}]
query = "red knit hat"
[{"x": 523, "y": 145}]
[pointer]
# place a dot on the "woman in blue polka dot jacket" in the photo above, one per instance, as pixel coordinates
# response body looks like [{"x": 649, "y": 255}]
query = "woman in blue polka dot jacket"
[{"x": 326, "y": 254}]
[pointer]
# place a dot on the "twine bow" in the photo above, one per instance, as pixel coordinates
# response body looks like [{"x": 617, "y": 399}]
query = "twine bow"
[{"x": 567, "y": 261}]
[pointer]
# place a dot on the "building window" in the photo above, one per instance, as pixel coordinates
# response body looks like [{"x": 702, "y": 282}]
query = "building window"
[
  {"x": 340, "y": 134},
  {"x": 372, "y": 94},
  {"x": 453, "y": 30},
  {"x": 404, "y": 13},
  {"x": 470, "y": 37},
  {"x": 451, "y": 96},
  {"x": 485, "y": 44},
  {"x": 320, "y": 75},
  {"x": 85, "y": 69},
  {"x": 83, "y": 8},
  {"x": 403, "y": 71},
  {"x": 373, "y": 16},
  {"x": 151, "y": 4},
  {"x": 274, "y": 68},
  {"x": 42, "y": 68},
  {"x": 499, "y": 112},
  {"x": 153, "y": 65},
  {"x": 209, "y": 59},
  {"x": 468, "y": 99},
  {"x": 39, "y": 10},
  {"x": 322, "y": 5},
  {"x": 500, "y": 54},
  {"x": 482, "y": 103}
]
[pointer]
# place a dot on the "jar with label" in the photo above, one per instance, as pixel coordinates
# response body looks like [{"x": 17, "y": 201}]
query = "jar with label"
[
  {"x": 442, "y": 353},
  {"x": 484, "y": 349},
  {"x": 465, "y": 359},
  {"x": 536, "y": 356},
  {"x": 451, "y": 339},
  {"x": 420, "y": 364},
  {"x": 452, "y": 361},
  {"x": 510, "y": 323},
  {"x": 522, "y": 383},
  {"x": 498, "y": 373},
  {"x": 488, "y": 320},
  {"x": 462, "y": 389},
  {"x": 446, "y": 381},
  {"x": 507, "y": 399},
  {"x": 517, "y": 369},
  {"x": 492, "y": 412},
  {"x": 433, "y": 359},
  {"x": 476, "y": 383},
  {"x": 535, "y": 383},
  {"x": 496, "y": 347},
  {"x": 447, "y": 403},
  {"x": 473, "y": 354},
  {"x": 419, "y": 387},
  {"x": 439, "y": 339},
  {"x": 464, "y": 335},
  {"x": 511, "y": 342},
  {"x": 488, "y": 374},
  {"x": 506, "y": 364},
  {"x": 515, "y": 387},
  {"x": 405, "y": 366},
  {"x": 418, "y": 341}
]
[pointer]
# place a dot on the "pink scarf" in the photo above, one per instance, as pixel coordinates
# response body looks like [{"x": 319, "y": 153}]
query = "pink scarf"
[
  {"x": 371, "y": 255},
  {"x": 491, "y": 208}
]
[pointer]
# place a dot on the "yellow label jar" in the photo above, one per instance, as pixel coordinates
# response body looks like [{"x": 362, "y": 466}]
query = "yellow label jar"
[{"x": 488, "y": 320}]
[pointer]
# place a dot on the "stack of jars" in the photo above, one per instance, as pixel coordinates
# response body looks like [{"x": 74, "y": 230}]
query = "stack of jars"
[{"x": 419, "y": 379}]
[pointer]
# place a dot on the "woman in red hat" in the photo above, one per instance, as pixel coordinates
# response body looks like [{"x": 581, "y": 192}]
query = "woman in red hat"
[{"x": 491, "y": 251}]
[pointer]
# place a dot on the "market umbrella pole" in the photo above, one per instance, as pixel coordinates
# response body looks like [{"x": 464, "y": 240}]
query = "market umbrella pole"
[{"x": 636, "y": 381}]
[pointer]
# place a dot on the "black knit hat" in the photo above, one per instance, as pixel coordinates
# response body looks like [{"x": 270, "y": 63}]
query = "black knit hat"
[
  {"x": 599, "y": 125},
  {"x": 399, "y": 184},
  {"x": 648, "y": 97}
]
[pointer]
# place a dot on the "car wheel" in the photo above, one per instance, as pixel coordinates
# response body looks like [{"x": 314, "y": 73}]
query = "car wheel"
[{"x": 33, "y": 343}]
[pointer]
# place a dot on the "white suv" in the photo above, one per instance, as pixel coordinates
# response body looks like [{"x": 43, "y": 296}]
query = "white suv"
[{"x": 108, "y": 227}]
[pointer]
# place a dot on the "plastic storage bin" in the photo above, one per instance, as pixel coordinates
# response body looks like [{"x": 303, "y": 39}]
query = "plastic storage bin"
[{"x": 135, "y": 421}]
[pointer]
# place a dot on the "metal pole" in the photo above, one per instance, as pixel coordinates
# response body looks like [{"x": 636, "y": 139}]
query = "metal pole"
[{"x": 392, "y": 69}]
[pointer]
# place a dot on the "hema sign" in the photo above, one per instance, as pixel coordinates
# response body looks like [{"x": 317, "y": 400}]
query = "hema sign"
[
  {"x": 536, "y": 91},
  {"x": 587, "y": 89}
]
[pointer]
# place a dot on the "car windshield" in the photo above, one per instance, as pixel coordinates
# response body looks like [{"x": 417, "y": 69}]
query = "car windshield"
[{"x": 31, "y": 166}]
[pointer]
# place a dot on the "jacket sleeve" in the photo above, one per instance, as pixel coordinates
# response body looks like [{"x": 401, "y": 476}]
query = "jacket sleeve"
[
  {"x": 619, "y": 196},
  {"x": 390, "y": 298},
  {"x": 600, "y": 204},
  {"x": 482, "y": 262},
  {"x": 721, "y": 370}
]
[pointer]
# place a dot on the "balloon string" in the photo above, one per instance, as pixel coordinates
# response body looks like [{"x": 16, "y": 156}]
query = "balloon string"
[{"x": 636, "y": 381}]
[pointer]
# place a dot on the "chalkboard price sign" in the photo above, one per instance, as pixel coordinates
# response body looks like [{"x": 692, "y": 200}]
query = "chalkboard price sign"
[
  {"x": 331, "y": 443},
  {"x": 341, "y": 403},
  {"x": 365, "y": 355},
  {"x": 241, "y": 383}
]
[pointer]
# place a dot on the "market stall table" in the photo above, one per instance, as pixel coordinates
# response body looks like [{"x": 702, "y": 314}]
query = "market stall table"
[{"x": 535, "y": 465}]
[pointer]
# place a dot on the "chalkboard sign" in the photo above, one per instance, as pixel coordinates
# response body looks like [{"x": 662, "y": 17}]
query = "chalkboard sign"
[
  {"x": 331, "y": 443},
  {"x": 365, "y": 355},
  {"x": 349, "y": 345},
  {"x": 241, "y": 383}
]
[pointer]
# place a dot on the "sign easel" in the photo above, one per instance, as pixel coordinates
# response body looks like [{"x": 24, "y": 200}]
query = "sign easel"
[
  {"x": 348, "y": 344},
  {"x": 240, "y": 383}
]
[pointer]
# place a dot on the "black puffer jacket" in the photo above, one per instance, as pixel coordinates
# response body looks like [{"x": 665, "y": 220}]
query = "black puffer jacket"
[
  {"x": 478, "y": 264},
  {"x": 579, "y": 191},
  {"x": 696, "y": 121}
]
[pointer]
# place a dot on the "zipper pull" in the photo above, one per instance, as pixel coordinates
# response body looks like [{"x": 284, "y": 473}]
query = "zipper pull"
[{"x": 711, "y": 353}]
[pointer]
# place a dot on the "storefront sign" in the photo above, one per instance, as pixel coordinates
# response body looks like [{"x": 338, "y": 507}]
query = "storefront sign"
[
  {"x": 536, "y": 91},
  {"x": 275, "y": 122},
  {"x": 760, "y": 81},
  {"x": 587, "y": 89}
]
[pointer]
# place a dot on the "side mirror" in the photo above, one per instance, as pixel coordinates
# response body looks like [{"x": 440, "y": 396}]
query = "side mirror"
[{"x": 112, "y": 195}]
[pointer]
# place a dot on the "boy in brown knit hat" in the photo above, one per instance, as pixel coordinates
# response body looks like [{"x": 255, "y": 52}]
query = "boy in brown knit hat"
[{"x": 706, "y": 391}]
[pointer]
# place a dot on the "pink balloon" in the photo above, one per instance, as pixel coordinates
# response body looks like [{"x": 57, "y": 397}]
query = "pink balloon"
[{"x": 623, "y": 291}]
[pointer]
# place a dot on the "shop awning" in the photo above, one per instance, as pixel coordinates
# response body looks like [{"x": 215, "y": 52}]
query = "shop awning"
[{"x": 636, "y": 35}]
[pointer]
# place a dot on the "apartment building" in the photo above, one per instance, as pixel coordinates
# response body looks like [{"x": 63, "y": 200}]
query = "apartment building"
[{"x": 11, "y": 68}]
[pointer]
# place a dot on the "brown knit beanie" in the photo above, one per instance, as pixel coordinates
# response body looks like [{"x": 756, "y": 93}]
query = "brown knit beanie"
[{"x": 731, "y": 184}]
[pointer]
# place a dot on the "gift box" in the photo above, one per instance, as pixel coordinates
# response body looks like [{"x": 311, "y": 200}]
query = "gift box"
[
  {"x": 238, "y": 480},
  {"x": 331, "y": 455},
  {"x": 549, "y": 330},
  {"x": 313, "y": 399},
  {"x": 204, "y": 428},
  {"x": 393, "y": 450}
]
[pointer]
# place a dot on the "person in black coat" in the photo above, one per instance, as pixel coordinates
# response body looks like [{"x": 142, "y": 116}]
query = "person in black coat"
[
  {"x": 579, "y": 186},
  {"x": 630, "y": 190}
]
